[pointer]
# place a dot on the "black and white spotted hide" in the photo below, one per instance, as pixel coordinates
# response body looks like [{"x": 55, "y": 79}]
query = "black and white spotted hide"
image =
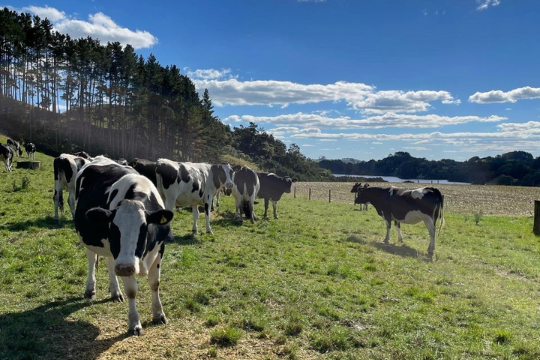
[{"x": 6, "y": 156}]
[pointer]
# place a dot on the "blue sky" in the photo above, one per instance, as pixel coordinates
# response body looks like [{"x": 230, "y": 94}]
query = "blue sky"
[{"x": 440, "y": 79}]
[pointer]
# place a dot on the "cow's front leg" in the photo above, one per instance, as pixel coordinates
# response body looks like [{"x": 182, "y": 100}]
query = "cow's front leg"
[
  {"x": 397, "y": 224},
  {"x": 207, "y": 205},
  {"x": 131, "y": 288},
  {"x": 431, "y": 228},
  {"x": 195, "y": 212},
  {"x": 90, "y": 292},
  {"x": 158, "y": 316},
  {"x": 274, "y": 205},
  {"x": 114, "y": 287}
]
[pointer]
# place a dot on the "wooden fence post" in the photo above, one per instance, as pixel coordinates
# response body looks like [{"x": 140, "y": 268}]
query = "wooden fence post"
[
  {"x": 295, "y": 192},
  {"x": 329, "y": 196},
  {"x": 536, "y": 226},
  {"x": 309, "y": 193}
]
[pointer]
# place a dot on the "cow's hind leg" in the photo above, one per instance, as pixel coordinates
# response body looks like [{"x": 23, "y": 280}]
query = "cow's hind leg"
[
  {"x": 90, "y": 292},
  {"x": 274, "y": 205},
  {"x": 114, "y": 288},
  {"x": 158, "y": 316},
  {"x": 388, "y": 227},
  {"x": 195, "y": 212},
  {"x": 131, "y": 288},
  {"x": 397, "y": 225},
  {"x": 431, "y": 229},
  {"x": 266, "y": 201}
]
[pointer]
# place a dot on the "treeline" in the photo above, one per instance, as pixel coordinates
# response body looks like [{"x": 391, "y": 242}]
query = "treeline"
[
  {"x": 513, "y": 168},
  {"x": 68, "y": 94}
]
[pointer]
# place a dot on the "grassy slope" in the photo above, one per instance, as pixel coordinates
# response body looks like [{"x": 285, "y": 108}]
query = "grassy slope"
[{"x": 317, "y": 283}]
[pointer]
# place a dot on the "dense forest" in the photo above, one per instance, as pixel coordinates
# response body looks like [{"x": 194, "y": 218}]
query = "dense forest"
[
  {"x": 69, "y": 94},
  {"x": 513, "y": 168}
]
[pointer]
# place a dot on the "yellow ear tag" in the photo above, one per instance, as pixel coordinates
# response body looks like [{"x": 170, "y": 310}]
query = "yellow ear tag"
[{"x": 163, "y": 219}]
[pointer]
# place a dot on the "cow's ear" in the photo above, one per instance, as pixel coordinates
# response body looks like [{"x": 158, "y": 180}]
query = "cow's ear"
[
  {"x": 161, "y": 217},
  {"x": 100, "y": 215}
]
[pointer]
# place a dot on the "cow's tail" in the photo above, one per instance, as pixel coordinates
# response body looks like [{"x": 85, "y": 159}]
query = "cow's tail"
[
  {"x": 246, "y": 208},
  {"x": 439, "y": 209}
]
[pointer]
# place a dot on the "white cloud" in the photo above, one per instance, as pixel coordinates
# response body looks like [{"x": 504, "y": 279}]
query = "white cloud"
[
  {"x": 99, "y": 26},
  {"x": 207, "y": 74},
  {"x": 372, "y": 122},
  {"x": 45, "y": 12},
  {"x": 498, "y": 96},
  {"x": 528, "y": 127},
  {"x": 358, "y": 96},
  {"x": 415, "y": 148},
  {"x": 484, "y": 4}
]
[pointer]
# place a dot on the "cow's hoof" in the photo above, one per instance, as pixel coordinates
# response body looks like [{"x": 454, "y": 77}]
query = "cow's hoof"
[
  {"x": 118, "y": 297},
  {"x": 159, "y": 320},
  {"x": 209, "y": 232},
  {"x": 90, "y": 294},
  {"x": 275, "y": 217},
  {"x": 266, "y": 218},
  {"x": 137, "y": 330},
  {"x": 194, "y": 232}
]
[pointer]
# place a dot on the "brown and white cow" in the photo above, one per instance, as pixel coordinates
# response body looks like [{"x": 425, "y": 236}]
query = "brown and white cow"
[
  {"x": 191, "y": 184},
  {"x": 406, "y": 206},
  {"x": 355, "y": 189},
  {"x": 15, "y": 146},
  {"x": 66, "y": 167},
  {"x": 6, "y": 156},
  {"x": 272, "y": 188},
  {"x": 121, "y": 216},
  {"x": 245, "y": 189}
]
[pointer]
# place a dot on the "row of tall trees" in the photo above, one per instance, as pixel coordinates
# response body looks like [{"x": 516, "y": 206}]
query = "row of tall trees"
[
  {"x": 102, "y": 98},
  {"x": 513, "y": 168},
  {"x": 68, "y": 94}
]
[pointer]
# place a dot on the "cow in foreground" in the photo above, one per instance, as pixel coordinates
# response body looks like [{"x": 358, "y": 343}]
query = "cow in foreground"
[
  {"x": 355, "y": 189},
  {"x": 191, "y": 184},
  {"x": 121, "y": 216},
  {"x": 6, "y": 155},
  {"x": 66, "y": 167},
  {"x": 30, "y": 150},
  {"x": 272, "y": 188},
  {"x": 406, "y": 206},
  {"x": 245, "y": 189},
  {"x": 15, "y": 146}
]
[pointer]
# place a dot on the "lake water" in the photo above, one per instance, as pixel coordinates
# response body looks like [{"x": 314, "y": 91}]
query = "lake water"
[{"x": 398, "y": 180}]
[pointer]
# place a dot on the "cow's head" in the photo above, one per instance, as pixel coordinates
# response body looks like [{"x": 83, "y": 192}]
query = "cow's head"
[
  {"x": 128, "y": 232},
  {"x": 356, "y": 187},
  {"x": 222, "y": 176},
  {"x": 362, "y": 195},
  {"x": 288, "y": 183}
]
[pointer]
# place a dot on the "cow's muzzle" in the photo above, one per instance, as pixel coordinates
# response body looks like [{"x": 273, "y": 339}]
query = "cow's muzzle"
[
  {"x": 228, "y": 185},
  {"x": 124, "y": 270}
]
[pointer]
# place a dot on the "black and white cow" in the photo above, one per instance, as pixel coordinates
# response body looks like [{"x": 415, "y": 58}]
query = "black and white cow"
[
  {"x": 6, "y": 155},
  {"x": 146, "y": 168},
  {"x": 355, "y": 189},
  {"x": 121, "y": 216},
  {"x": 406, "y": 206},
  {"x": 15, "y": 146},
  {"x": 191, "y": 184},
  {"x": 272, "y": 188},
  {"x": 66, "y": 167},
  {"x": 30, "y": 150},
  {"x": 245, "y": 189}
]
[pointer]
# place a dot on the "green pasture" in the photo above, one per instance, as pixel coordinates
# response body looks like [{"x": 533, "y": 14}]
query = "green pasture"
[{"x": 315, "y": 284}]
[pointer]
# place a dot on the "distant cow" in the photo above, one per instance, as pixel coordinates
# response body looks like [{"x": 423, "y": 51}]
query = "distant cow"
[
  {"x": 146, "y": 168},
  {"x": 6, "y": 155},
  {"x": 406, "y": 206},
  {"x": 121, "y": 216},
  {"x": 272, "y": 188},
  {"x": 66, "y": 167},
  {"x": 191, "y": 184},
  {"x": 245, "y": 189},
  {"x": 15, "y": 146},
  {"x": 355, "y": 189},
  {"x": 30, "y": 150}
]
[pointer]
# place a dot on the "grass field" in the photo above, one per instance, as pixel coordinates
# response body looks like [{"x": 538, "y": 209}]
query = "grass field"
[{"x": 315, "y": 284}]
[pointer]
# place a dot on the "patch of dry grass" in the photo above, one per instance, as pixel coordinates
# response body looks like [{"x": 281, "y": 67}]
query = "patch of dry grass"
[{"x": 462, "y": 199}]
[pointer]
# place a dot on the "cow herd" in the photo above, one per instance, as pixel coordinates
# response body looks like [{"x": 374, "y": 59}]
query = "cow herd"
[
  {"x": 123, "y": 211},
  {"x": 12, "y": 148}
]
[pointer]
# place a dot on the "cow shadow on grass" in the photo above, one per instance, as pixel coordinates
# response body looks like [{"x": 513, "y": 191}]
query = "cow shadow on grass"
[
  {"x": 402, "y": 249},
  {"x": 45, "y": 333},
  {"x": 47, "y": 222}
]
